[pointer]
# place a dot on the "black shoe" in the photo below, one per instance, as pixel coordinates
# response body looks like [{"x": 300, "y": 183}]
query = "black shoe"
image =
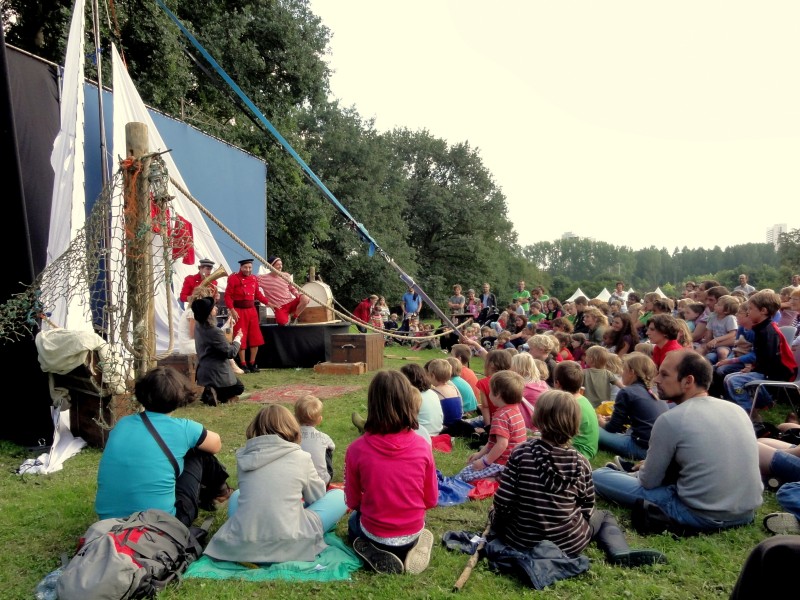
[
  {"x": 624, "y": 465},
  {"x": 638, "y": 558},
  {"x": 209, "y": 396},
  {"x": 382, "y": 561},
  {"x": 253, "y": 368}
]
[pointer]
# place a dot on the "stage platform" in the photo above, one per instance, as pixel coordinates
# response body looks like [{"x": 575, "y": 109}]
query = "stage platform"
[{"x": 292, "y": 346}]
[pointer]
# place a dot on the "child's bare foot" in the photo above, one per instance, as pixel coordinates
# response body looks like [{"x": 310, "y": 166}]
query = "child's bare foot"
[{"x": 792, "y": 418}]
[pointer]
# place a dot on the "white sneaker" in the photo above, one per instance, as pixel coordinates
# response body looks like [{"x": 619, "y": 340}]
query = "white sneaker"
[
  {"x": 781, "y": 523},
  {"x": 419, "y": 556}
]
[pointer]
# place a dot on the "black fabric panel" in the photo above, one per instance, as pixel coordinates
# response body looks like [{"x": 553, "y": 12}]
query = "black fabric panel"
[
  {"x": 28, "y": 183},
  {"x": 292, "y": 346},
  {"x": 35, "y": 98}
]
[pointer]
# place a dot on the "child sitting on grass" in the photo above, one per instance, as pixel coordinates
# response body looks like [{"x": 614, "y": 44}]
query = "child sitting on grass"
[
  {"x": 281, "y": 510},
  {"x": 308, "y": 412},
  {"x": 597, "y": 379},
  {"x": 391, "y": 481},
  {"x": 524, "y": 364},
  {"x": 469, "y": 402},
  {"x": 506, "y": 432},
  {"x": 546, "y": 492}
]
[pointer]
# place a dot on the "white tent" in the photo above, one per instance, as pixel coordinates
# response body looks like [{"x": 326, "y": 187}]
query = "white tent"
[
  {"x": 578, "y": 292},
  {"x": 660, "y": 293},
  {"x": 604, "y": 295}
]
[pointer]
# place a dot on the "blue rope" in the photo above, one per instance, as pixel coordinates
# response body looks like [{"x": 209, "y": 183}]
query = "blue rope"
[{"x": 360, "y": 229}]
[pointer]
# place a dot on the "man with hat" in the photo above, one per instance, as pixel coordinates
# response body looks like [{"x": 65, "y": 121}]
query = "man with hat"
[
  {"x": 240, "y": 296},
  {"x": 285, "y": 300},
  {"x": 192, "y": 281}
]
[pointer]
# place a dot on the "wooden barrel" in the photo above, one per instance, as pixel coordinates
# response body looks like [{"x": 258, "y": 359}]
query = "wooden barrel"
[{"x": 320, "y": 306}]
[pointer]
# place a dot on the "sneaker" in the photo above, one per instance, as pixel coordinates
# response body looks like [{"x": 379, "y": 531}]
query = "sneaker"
[
  {"x": 209, "y": 396},
  {"x": 381, "y": 561},
  {"x": 253, "y": 368},
  {"x": 638, "y": 558},
  {"x": 419, "y": 556},
  {"x": 624, "y": 464},
  {"x": 358, "y": 421},
  {"x": 612, "y": 465},
  {"x": 781, "y": 523}
]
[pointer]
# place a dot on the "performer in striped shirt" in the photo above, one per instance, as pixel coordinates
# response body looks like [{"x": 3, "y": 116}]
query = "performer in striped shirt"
[{"x": 546, "y": 492}]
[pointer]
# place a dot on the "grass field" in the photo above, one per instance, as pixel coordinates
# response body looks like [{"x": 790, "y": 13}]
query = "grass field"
[{"x": 43, "y": 516}]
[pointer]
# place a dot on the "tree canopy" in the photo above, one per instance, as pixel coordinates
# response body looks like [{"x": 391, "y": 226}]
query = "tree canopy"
[{"x": 432, "y": 205}]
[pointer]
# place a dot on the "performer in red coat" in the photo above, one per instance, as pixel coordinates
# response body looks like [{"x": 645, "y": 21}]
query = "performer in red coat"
[
  {"x": 240, "y": 296},
  {"x": 190, "y": 282}
]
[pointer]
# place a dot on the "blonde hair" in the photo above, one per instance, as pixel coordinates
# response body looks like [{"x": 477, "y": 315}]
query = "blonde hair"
[
  {"x": 523, "y": 363},
  {"x": 308, "y": 410},
  {"x": 644, "y": 348},
  {"x": 596, "y": 357},
  {"x": 642, "y": 366},
  {"x": 512, "y": 351},
  {"x": 730, "y": 303},
  {"x": 614, "y": 364},
  {"x": 541, "y": 366},
  {"x": 557, "y": 416},
  {"x": 440, "y": 370},
  {"x": 599, "y": 315},
  {"x": 275, "y": 419},
  {"x": 540, "y": 341},
  {"x": 455, "y": 365}
]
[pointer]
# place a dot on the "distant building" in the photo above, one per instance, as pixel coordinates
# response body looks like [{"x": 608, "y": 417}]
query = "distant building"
[
  {"x": 568, "y": 234},
  {"x": 774, "y": 232}
]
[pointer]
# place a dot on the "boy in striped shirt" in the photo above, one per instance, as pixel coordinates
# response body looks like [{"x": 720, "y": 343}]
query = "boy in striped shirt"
[
  {"x": 507, "y": 430},
  {"x": 546, "y": 492}
]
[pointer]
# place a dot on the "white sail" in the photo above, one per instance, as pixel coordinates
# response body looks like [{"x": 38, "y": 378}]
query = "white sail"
[
  {"x": 129, "y": 108},
  {"x": 68, "y": 209}
]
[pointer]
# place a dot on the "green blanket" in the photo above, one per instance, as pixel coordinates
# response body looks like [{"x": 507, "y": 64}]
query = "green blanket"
[{"x": 335, "y": 563}]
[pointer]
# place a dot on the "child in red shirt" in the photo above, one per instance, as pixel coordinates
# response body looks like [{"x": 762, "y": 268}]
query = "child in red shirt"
[{"x": 507, "y": 429}]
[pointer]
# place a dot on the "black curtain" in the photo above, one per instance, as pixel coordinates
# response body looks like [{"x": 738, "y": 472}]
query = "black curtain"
[{"x": 29, "y": 122}]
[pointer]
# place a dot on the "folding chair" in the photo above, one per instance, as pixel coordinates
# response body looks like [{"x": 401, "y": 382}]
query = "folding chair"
[{"x": 791, "y": 389}]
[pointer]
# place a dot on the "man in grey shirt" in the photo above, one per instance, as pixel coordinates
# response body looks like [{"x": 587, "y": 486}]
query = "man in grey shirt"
[
  {"x": 743, "y": 286},
  {"x": 702, "y": 463}
]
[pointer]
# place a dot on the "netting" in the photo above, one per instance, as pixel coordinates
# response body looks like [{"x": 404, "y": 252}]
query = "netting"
[{"x": 117, "y": 251}]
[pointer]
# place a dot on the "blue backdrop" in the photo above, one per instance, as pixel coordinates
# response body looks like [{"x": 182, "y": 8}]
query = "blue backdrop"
[{"x": 226, "y": 180}]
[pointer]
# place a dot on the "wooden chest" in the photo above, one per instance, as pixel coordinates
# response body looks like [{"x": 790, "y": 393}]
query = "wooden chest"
[
  {"x": 316, "y": 314},
  {"x": 185, "y": 364},
  {"x": 358, "y": 347},
  {"x": 331, "y": 368}
]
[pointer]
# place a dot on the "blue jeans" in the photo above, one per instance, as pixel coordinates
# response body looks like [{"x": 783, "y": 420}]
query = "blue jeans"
[
  {"x": 625, "y": 490},
  {"x": 735, "y": 391},
  {"x": 622, "y": 444},
  {"x": 785, "y": 467},
  {"x": 354, "y": 531},
  {"x": 330, "y": 508},
  {"x": 788, "y": 496}
]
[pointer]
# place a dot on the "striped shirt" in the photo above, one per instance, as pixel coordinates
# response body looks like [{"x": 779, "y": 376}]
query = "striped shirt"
[
  {"x": 546, "y": 493},
  {"x": 277, "y": 289},
  {"x": 508, "y": 423}
]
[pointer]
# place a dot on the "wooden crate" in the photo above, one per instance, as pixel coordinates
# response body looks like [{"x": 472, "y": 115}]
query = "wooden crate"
[
  {"x": 316, "y": 314},
  {"x": 330, "y": 368},
  {"x": 358, "y": 347}
]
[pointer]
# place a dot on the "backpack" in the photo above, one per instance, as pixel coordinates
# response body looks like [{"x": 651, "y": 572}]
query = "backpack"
[{"x": 135, "y": 557}]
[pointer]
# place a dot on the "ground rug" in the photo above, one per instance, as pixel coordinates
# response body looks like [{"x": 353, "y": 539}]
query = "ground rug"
[{"x": 289, "y": 394}]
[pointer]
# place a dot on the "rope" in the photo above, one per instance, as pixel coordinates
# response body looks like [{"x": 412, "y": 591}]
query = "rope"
[{"x": 344, "y": 314}]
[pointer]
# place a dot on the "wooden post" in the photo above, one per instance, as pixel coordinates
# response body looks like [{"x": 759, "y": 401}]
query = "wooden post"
[{"x": 139, "y": 259}]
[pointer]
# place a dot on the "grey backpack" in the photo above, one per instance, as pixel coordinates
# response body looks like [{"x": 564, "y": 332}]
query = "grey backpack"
[{"x": 135, "y": 557}]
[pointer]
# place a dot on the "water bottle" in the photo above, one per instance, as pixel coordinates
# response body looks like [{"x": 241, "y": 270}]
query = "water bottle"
[{"x": 46, "y": 588}]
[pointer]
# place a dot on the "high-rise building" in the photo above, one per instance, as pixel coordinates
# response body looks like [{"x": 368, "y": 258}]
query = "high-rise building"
[{"x": 774, "y": 232}]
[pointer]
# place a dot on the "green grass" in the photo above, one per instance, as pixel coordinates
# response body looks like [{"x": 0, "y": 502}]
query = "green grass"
[{"x": 43, "y": 516}]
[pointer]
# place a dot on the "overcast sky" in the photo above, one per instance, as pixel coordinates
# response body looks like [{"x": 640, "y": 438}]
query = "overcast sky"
[{"x": 635, "y": 123}]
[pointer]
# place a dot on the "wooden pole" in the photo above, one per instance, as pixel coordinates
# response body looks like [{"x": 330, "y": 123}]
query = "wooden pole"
[
  {"x": 139, "y": 259},
  {"x": 473, "y": 560}
]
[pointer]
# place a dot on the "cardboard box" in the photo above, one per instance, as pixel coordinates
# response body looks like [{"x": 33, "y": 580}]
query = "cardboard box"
[{"x": 331, "y": 368}]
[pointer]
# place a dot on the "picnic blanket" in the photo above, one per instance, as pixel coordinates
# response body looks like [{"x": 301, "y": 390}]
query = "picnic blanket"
[{"x": 336, "y": 563}]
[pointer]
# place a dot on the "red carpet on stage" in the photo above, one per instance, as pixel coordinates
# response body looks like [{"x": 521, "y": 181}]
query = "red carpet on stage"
[{"x": 289, "y": 394}]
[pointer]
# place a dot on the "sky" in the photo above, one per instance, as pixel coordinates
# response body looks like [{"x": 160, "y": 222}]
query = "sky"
[{"x": 632, "y": 122}]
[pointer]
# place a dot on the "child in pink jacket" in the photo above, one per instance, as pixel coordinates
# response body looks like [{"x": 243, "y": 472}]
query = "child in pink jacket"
[{"x": 390, "y": 480}]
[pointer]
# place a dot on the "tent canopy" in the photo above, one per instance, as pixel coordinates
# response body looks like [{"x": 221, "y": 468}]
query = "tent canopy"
[
  {"x": 660, "y": 293},
  {"x": 578, "y": 292},
  {"x": 604, "y": 295}
]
